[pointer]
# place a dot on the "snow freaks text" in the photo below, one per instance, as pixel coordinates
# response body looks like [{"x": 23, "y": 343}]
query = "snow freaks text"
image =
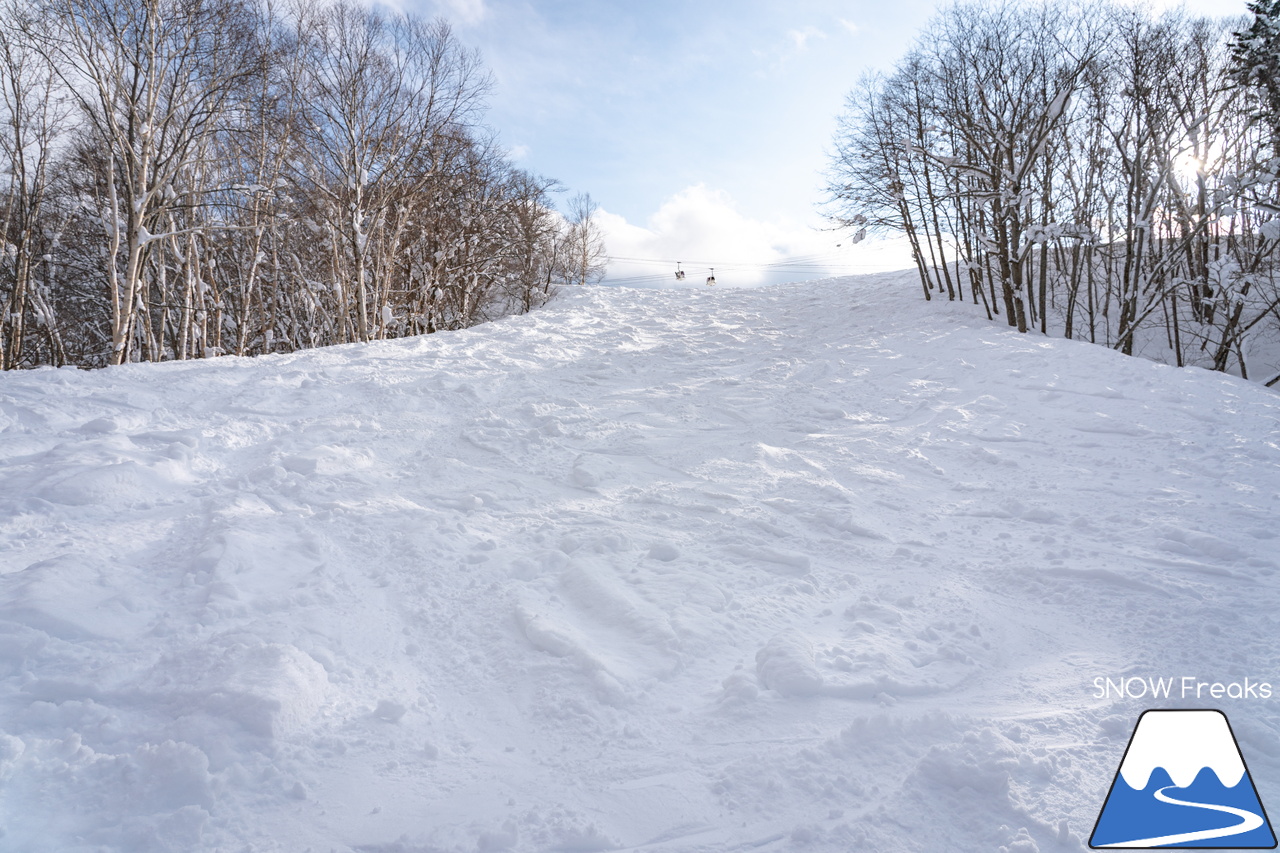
[{"x": 1182, "y": 687}]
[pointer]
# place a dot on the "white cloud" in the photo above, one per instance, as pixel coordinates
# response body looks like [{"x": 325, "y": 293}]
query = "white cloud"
[
  {"x": 800, "y": 38},
  {"x": 853, "y": 28},
  {"x": 780, "y": 52},
  {"x": 457, "y": 12},
  {"x": 516, "y": 153},
  {"x": 702, "y": 228},
  {"x": 463, "y": 11}
]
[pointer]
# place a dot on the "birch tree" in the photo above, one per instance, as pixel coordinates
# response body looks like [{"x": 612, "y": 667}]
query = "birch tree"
[
  {"x": 584, "y": 248},
  {"x": 152, "y": 78},
  {"x": 1110, "y": 171},
  {"x": 33, "y": 109},
  {"x": 382, "y": 92}
]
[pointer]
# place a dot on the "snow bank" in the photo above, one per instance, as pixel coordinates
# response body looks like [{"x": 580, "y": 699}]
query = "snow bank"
[{"x": 811, "y": 567}]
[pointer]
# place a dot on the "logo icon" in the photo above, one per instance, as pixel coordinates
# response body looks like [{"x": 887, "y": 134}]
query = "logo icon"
[{"x": 1182, "y": 783}]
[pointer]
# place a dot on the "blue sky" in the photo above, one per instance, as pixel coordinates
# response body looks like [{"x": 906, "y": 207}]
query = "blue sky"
[{"x": 701, "y": 128}]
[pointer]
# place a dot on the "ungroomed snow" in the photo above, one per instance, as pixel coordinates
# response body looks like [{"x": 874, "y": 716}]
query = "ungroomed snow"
[{"x": 813, "y": 567}]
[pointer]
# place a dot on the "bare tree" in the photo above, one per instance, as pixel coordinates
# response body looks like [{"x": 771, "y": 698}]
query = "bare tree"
[
  {"x": 538, "y": 246},
  {"x": 584, "y": 250},
  {"x": 1102, "y": 166},
  {"x": 382, "y": 94},
  {"x": 35, "y": 123},
  {"x": 236, "y": 178},
  {"x": 152, "y": 78}
]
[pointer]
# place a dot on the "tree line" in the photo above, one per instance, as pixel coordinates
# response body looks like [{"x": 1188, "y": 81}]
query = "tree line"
[
  {"x": 191, "y": 178},
  {"x": 1092, "y": 170}
]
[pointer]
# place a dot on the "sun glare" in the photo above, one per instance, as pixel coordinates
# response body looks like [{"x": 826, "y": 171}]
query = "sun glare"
[{"x": 1187, "y": 167}]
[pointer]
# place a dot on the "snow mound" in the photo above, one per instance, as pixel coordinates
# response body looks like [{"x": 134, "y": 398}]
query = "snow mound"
[
  {"x": 270, "y": 689},
  {"x": 786, "y": 665}
]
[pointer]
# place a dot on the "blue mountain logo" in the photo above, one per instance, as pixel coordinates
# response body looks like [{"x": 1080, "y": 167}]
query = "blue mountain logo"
[{"x": 1183, "y": 783}]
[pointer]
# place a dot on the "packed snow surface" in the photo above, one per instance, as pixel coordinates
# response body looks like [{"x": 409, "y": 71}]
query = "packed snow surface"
[{"x": 814, "y": 567}]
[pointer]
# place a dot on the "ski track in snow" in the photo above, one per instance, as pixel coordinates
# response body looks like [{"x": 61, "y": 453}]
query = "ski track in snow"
[{"x": 814, "y": 567}]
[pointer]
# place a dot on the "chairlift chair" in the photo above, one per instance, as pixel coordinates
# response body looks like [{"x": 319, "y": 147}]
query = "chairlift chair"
[{"x": 711, "y": 279}]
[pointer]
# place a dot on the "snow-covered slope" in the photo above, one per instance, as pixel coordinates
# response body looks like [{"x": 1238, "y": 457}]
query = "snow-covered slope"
[{"x": 809, "y": 567}]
